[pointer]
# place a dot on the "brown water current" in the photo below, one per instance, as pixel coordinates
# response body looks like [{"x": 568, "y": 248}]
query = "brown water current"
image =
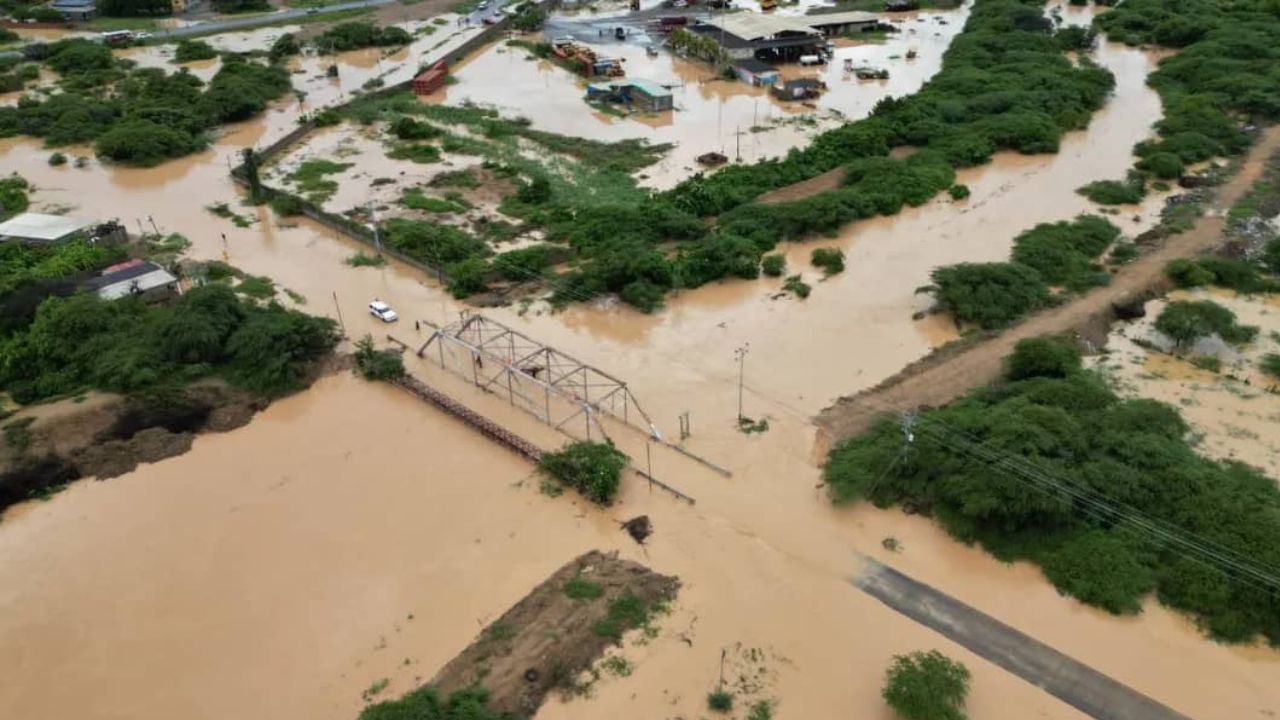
[{"x": 350, "y": 534}]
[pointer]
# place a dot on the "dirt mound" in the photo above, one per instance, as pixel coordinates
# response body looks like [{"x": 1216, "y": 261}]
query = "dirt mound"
[
  {"x": 117, "y": 457},
  {"x": 557, "y": 631},
  {"x": 826, "y": 182}
]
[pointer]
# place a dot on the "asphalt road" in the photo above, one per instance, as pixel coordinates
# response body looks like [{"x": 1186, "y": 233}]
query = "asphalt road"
[
  {"x": 1075, "y": 683},
  {"x": 209, "y": 27}
]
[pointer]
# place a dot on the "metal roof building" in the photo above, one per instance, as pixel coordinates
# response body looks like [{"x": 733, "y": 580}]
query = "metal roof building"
[
  {"x": 136, "y": 277},
  {"x": 40, "y": 228},
  {"x": 748, "y": 35}
]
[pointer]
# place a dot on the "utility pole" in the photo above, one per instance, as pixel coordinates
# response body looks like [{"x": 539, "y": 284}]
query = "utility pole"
[
  {"x": 338, "y": 307},
  {"x": 741, "y": 354},
  {"x": 377, "y": 239}
]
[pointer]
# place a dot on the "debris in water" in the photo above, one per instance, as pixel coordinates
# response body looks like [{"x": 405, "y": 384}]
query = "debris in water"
[{"x": 639, "y": 528}]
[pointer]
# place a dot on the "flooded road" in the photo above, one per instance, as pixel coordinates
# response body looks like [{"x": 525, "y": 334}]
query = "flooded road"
[{"x": 350, "y": 534}]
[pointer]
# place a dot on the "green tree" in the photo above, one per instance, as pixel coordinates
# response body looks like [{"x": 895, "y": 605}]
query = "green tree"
[
  {"x": 593, "y": 469},
  {"x": 1187, "y": 321},
  {"x": 926, "y": 686},
  {"x": 1042, "y": 357},
  {"x": 992, "y": 295}
]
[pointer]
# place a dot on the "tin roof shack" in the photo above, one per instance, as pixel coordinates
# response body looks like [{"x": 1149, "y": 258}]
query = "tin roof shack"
[
  {"x": 136, "y": 277},
  {"x": 752, "y": 35},
  {"x": 40, "y": 229},
  {"x": 756, "y": 72},
  {"x": 431, "y": 79},
  {"x": 638, "y": 94},
  {"x": 844, "y": 23},
  {"x": 75, "y": 9},
  {"x": 798, "y": 89}
]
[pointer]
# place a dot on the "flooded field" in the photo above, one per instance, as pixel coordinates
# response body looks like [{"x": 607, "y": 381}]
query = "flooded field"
[
  {"x": 711, "y": 114},
  {"x": 350, "y": 534},
  {"x": 1232, "y": 410}
]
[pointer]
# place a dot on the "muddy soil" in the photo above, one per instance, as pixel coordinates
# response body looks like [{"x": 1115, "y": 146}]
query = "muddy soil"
[
  {"x": 104, "y": 435},
  {"x": 935, "y": 382},
  {"x": 548, "y": 638}
]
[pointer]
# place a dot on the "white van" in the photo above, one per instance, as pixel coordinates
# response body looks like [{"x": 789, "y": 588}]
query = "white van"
[{"x": 811, "y": 60}]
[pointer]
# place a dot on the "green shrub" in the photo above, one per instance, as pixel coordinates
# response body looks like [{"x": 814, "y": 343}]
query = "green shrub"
[
  {"x": 1164, "y": 165},
  {"x": 579, "y": 588},
  {"x": 406, "y": 128},
  {"x": 774, "y": 265},
  {"x": 362, "y": 260},
  {"x": 286, "y": 205},
  {"x": 1065, "y": 253},
  {"x": 1187, "y": 321},
  {"x": 1270, "y": 365},
  {"x": 1187, "y": 273},
  {"x": 959, "y": 192},
  {"x": 794, "y": 284},
  {"x": 720, "y": 701},
  {"x": 57, "y": 159},
  {"x": 1104, "y": 568},
  {"x": 991, "y": 295},
  {"x": 360, "y": 34},
  {"x": 926, "y": 686},
  {"x": 1042, "y": 357},
  {"x": 468, "y": 277},
  {"x": 1115, "y": 192},
  {"x": 425, "y": 703},
  {"x": 1123, "y": 253},
  {"x": 192, "y": 50},
  {"x": 416, "y": 152},
  {"x": 524, "y": 264},
  {"x": 375, "y": 364},
  {"x": 455, "y": 178},
  {"x": 593, "y": 469},
  {"x": 831, "y": 260}
]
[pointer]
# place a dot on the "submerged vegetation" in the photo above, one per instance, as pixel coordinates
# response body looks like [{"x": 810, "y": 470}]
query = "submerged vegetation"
[
  {"x": 993, "y": 295},
  {"x": 1052, "y": 467},
  {"x": 427, "y": 704},
  {"x": 138, "y": 116},
  {"x": 593, "y": 469}
]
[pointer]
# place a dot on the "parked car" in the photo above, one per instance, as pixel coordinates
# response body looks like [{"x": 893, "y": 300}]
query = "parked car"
[{"x": 383, "y": 311}]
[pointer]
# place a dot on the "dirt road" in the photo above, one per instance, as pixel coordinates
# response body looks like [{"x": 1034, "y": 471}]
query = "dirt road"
[{"x": 944, "y": 376}]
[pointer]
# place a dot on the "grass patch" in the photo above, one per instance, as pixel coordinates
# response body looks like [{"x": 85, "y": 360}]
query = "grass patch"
[
  {"x": 579, "y": 588},
  {"x": 455, "y": 179},
  {"x": 416, "y": 152},
  {"x": 222, "y": 210},
  {"x": 414, "y": 199},
  {"x": 720, "y": 701},
  {"x": 311, "y": 179},
  {"x": 362, "y": 260},
  {"x": 626, "y": 612},
  {"x": 257, "y": 287}
]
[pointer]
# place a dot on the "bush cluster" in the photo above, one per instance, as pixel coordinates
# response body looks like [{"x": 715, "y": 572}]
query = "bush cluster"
[
  {"x": 593, "y": 469},
  {"x": 128, "y": 345},
  {"x": 1073, "y": 431},
  {"x": 993, "y": 295},
  {"x": 360, "y": 34},
  {"x": 140, "y": 116},
  {"x": 1186, "y": 321}
]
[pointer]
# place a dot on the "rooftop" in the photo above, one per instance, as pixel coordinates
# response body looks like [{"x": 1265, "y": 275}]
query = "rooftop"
[
  {"x": 753, "y": 65},
  {"x": 132, "y": 278},
  {"x": 72, "y": 4},
  {"x": 754, "y": 26},
  {"x": 37, "y": 226},
  {"x": 840, "y": 18}
]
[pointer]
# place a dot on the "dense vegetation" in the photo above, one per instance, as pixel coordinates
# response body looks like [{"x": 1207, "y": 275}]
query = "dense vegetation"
[
  {"x": 128, "y": 345},
  {"x": 13, "y": 196},
  {"x": 1054, "y": 468},
  {"x": 993, "y": 295},
  {"x": 1004, "y": 85},
  {"x": 29, "y": 274},
  {"x": 926, "y": 686},
  {"x": 593, "y": 469},
  {"x": 192, "y": 50},
  {"x": 139, "y": 116},
  {"x": 426, "y": 704},
  {"x": 1222, "y": 76},
  {"x": 360, "y": 34},
  {"x": 375, "y": 364}
]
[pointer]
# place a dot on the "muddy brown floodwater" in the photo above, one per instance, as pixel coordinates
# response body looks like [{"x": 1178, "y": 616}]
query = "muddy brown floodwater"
[{"x": 351, "y": 534}]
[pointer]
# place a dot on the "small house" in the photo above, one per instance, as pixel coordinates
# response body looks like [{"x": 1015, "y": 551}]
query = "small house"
[
  {"x": 756, "y": 72},
  {"x": 41, "y": 229},
  {"x": 798, "y": 89},
  {"x": 137, "y": 278},
  {"x": 639, "y": 94},
  {"x": 75, "y": 9}
]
